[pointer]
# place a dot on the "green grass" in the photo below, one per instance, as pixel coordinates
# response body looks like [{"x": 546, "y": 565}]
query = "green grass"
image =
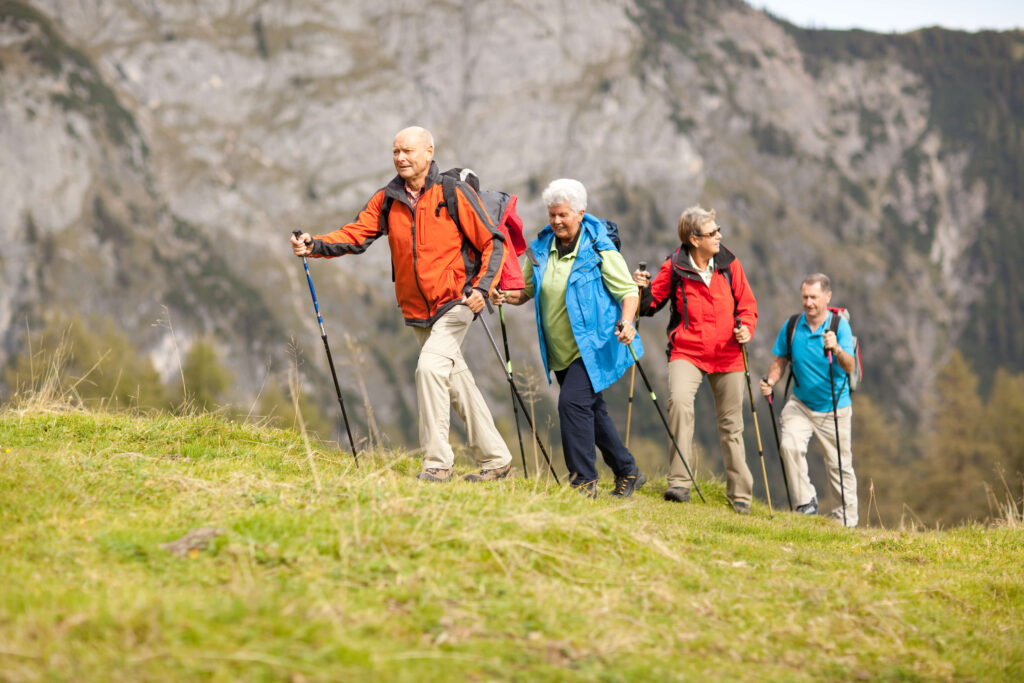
[{"x": 376, "y": 576}]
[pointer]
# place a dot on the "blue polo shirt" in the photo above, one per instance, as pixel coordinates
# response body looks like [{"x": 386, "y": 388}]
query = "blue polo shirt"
[{"x": 810, "y": 365}]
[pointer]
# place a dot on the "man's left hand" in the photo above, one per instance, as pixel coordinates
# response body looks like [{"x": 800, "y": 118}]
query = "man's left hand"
[{"x": 475, "y": 301}]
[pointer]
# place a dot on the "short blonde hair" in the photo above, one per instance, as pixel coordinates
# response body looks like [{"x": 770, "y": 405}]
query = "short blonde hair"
[{"x": 690, "y": 222}]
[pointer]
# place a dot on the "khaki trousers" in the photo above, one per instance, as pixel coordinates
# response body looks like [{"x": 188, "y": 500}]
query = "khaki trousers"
[
  {"x": 443, "y": 381},
  {"x": 798, "y": 423},
  {"x": 684, "y": 379}
]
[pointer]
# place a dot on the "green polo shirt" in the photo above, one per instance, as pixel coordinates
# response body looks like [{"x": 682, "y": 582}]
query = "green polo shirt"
[{"x": 562, "y": 348}]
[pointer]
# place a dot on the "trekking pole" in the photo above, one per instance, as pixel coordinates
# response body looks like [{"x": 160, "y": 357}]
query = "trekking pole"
[
  {"x": 330, "y": 359},
  {"x": 835, "y": 419},
  {"x": 632, "y": 371},
  {"x": 757, "y": 429},
  {"x": 778, "y": 443},
  {"x": 522, "y": 404},
  {"x": 661, "y": 414},
  {"x": 515, "y": 407}
]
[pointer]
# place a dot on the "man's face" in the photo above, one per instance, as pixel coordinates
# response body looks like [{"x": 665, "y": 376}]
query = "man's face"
[
  {"x": 564, "y": 222},
  {"x": 412, "y": 155},
  {"x": 814, "y": 300}
]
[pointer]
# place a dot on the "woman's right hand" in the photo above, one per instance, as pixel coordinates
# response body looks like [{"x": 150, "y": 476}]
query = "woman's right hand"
[
  {"x": 497, "y": 297},
  {"x": 642, "y": 278}
]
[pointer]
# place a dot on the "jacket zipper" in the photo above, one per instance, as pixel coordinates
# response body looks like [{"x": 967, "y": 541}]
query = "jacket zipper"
[{"x": 415, "y": 261}]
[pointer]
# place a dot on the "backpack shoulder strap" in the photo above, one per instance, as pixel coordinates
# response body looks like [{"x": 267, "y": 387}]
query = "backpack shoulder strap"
[
  {"x": 451, "y": 200},
  {"x": 790, "y": 331},
  {"x": 833, "y": 323},
  {"x": 727, "y": 272},
  {"x": 676, "y": 281}
]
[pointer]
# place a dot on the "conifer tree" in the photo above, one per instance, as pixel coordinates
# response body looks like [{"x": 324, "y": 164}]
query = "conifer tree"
[
  {"x": 1005, "y": 420},
  {"x": 958, "y": 458},
  {"x": 881, "y": 458},
  {"x": 206, "y": 380},
  {"x": 89, "y": 359}
]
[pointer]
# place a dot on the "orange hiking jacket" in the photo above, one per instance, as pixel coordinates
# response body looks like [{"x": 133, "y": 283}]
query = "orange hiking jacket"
[{"x": 434, "y": 264}]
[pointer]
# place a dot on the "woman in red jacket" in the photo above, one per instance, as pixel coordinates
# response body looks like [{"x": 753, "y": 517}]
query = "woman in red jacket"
[{"x": 713, "y": 312}]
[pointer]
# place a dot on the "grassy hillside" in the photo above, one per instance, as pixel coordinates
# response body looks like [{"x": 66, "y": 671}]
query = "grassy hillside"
[{"x": 321, "y": 571}]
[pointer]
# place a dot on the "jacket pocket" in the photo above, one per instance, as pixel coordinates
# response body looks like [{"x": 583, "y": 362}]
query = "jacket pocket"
[{"x": 582, "y": 294}]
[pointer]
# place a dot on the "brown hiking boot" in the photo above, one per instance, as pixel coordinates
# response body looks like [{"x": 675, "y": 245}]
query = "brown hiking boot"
[
  {"x": 491, "y": 474},
  {"x": 435, "y": 474}
]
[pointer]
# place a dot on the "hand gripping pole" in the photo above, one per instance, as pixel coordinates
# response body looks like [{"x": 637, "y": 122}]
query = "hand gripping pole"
[{"x": 330, "y": 359}]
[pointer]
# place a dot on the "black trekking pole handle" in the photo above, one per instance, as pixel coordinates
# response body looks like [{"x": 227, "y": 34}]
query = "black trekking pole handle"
[
  {"x": 661, "y": 414},
  {"x": 327, "y": 348},
  {"x": 778, "y": 442}
]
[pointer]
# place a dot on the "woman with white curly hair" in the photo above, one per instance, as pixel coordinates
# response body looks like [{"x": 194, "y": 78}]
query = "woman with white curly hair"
[{"x": 583, "y": 292}]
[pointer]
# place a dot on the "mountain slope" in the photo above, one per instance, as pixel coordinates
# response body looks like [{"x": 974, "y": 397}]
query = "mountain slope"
[{"x": 206, "y": 133}]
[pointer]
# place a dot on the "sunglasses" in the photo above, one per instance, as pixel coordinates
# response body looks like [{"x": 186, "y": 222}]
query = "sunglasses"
[{"x": 716, "y": 231}]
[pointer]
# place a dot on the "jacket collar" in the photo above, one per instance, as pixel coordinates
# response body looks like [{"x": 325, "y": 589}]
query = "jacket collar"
[
  {"x": 680, "y": 260},
  {"x": 396, "y": 188}
]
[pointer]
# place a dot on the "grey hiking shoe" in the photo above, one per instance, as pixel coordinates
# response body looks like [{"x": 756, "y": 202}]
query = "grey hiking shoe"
[
  {"x": 588, "y": 489},
  {"x": 741, "y": 508},
  {"x": 435, "y": 474},
  {"x": 626, "y": 484},
  {"x": 808, "y": 508},
  {"x": 677, "y": 494},
  {"x": 491, "y": 474}
]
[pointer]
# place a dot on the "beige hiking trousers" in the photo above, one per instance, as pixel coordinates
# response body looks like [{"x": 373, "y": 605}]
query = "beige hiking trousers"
[
  {"x": 684, "y": 380},
  {"x": 443, "y": 381},
  {"x": 798, "y": 424}
]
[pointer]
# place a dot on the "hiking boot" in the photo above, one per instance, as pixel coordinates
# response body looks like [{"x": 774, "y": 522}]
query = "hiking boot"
[
  {"x": 625, "y": 485},
  {"x": 437, "y": 474},
  {"x": 677, "y": 494},
  {"x": 588, "y": 489},
  {"x": 808, "y": 508},
  {"x": 491, "y": 474},
  {"x": 837, "y": 516},
  {"x": 741, "y": 508}
]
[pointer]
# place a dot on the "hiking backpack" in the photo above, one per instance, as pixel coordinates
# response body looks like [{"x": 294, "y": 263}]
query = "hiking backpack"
[
  {"x": 500, "y": 207},
  {"x": 613, "y": 232},
  {"x": 854, "y": 378}
]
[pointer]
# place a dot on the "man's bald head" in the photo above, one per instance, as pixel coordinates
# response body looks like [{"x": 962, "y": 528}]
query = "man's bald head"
[
  {"x": 418, "y": 134},
  {"x": 413, "y": 151}
]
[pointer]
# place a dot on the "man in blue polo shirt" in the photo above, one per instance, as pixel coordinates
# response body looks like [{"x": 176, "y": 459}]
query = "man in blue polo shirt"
[{"x": 809, "y": 411}]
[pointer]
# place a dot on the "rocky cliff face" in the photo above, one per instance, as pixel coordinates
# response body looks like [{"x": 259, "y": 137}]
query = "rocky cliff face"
[{"x": 159, "y": 153}]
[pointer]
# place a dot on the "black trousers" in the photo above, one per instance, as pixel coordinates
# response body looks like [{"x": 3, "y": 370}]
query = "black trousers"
[{"x": 585, "y": 423}]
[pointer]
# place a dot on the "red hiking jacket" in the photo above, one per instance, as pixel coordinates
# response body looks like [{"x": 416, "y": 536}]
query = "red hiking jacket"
[{"x": 703, "y": 317}]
